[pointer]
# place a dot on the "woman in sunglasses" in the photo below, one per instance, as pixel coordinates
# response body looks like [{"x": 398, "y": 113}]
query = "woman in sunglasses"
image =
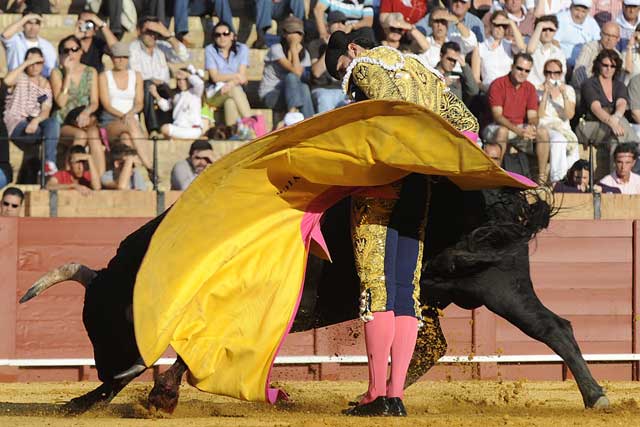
[
  {"x": 75, "y": 92},
  {"x": 402, "y": 35},
  {"x": 557, "y": 107},
  {"x": 605, "y": 99},
  {"x": 287, "y": 68},
  {"x": 227, "y": 62}
]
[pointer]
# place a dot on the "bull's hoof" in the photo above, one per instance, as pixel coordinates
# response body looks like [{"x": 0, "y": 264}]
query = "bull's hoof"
[
  {"x": 602, "y": 403},
  {"x": 163, "y": 399}
]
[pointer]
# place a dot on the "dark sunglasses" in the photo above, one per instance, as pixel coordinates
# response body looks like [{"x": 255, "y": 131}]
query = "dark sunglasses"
[
  {"x": 503, "y": 26},
  {"x": 396, "y": 30},
  {"x": 34, "y": 22},
  {"x": 225, "y": 34},
  {"x": 553, "y": 30},
  {"x": 181, "y": 79},
  {"x": 9, "y": 204},
  {"x": 206, "y": 159},
  {"x": 552, "y": 73},
  {"x": 67, "y": 50},
  {"x": 440, "y": 21},
  {"x": 452, "y": 60},
  {"x": 614, "y": 66},
  {"x": 524, "y": 70}
]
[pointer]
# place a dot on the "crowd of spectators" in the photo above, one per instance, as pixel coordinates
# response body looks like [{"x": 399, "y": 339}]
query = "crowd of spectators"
[{"x": 550, "y": 80}]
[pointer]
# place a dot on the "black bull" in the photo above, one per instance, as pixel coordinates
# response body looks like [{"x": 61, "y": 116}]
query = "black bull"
[{"x": 476, "y": 253}]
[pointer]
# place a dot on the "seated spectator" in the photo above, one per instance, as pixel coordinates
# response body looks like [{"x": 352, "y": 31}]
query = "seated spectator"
[
  {"x": 403, "y": 36},
  {"x": 75, "y": 91},
  {"x": 496, "y": 53},
  {"x": 150, "y": 52},
  {"x": 625, "y": 156},
  {"x": 518, "y": 13},
  {"x": 557, "y": 107},
  {"x": 12, "y": 199},
  {"x": 326, "y": 91},
  {"x": 609, "y": 37},
  {"x": 577, "y": 181},
  {"x": 183, "y": 9},
  {"x": 79, "y": 174},
  {"x": 186, "y": 105},
  {"x": 605, "y": 10},
  {"x": 628, "y": 20},
  {"x": 266, "y": 10},
  {"x": 575, "y": 28},
  {"x": 23, "y": 34},
  {"x": 286, "y": 72},
  {"x": 632, "y": 56},
  {"x": 359, "y": 15},
  {"x": 185, "y": 171},
  {"x": 412, "y": 11},
  {"x": 120, "y": 107},
  {"x": 123, "y": 175},
  {"x": 542, "y": 48},
  {"x": 460, "y": 9},
  {"x": 514, "y": 107},
  {"x": 27, "y": 108},
  {"x": 439, "y": 20},
  {"x": 605, "y": 100},
  {"x": 457, "y": 73},
  {"x": 93, "y": 47},
  {"x": 227, "y": 60},
  {"x": 494, "y": 151}
]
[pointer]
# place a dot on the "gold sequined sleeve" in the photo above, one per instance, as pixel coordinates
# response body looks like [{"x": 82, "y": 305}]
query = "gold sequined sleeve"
[
  {"x": 453, "y": 110},
  {"x": 375, "y": 82}
]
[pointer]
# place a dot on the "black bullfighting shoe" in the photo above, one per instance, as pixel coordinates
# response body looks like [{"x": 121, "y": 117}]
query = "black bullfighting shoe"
[
  {"x": 375, "y": 408},
  {"x": 396, "y": 407}
]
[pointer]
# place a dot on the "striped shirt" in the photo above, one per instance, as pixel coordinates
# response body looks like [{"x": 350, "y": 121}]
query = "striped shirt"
[
  {"x": 354, "y": 10},
  {"x": 23, "y": 102}
]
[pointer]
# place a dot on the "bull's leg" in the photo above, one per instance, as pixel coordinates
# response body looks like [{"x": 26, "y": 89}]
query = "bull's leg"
[
  {"x": 531, "y": 316},
  {"x": 431, "y": 345},
  {"x": 101, "y": 395},
  {"x": 166, "y": 389}
]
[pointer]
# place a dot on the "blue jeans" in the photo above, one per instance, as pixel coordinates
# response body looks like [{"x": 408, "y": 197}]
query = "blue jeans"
[
  {"x": 182, "y": 9},
  {"x": 3, "y": 179},
  {"x": 266, "y": 10},
  {"x": 49, "y": 129},
  {"x": 326, "y": 99},
  {"x": 293, "y": 93}
]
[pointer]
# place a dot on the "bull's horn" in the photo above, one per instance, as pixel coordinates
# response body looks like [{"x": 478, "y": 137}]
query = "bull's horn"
[
  {"x": 136, "y": 369},
  {"x": 72, "y": 271}
]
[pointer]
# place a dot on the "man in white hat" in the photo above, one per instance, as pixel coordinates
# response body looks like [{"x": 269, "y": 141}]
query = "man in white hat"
[
  {"x": 628, "y": 21},
  {"x": 576, "y": 27}
]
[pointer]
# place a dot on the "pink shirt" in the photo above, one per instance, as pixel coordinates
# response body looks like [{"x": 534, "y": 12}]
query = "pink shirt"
[{"x": 631, "y": 187}]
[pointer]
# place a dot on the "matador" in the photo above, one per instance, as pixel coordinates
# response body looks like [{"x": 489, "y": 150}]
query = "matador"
[{"x": 387, "y": 223}]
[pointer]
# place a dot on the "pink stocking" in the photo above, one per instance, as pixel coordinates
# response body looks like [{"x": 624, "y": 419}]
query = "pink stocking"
[
  {"x": 378, "y": 335},
  {"x": 404, "y": 342}
]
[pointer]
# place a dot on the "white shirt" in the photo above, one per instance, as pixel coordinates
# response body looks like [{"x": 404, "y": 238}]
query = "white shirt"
[
  {"x": 626, "y": 30},
  {"x": 495, "y": 62},
  {"x": 573, "y": 36},
  {"x": 542, "y": 54},
  {"x": 122, "y": 100},
  {"x": 467, "y": 44},
  {"x": 631, "y": 187},
  {"x": 154, "y": 65},
  {"x": 187, "y": 105}
]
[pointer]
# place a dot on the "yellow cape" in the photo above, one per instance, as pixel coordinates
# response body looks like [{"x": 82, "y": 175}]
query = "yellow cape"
[{"x": 221, "y": 279}]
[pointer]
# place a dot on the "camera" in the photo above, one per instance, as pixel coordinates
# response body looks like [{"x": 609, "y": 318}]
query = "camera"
[{"x": 87, "y": 26}]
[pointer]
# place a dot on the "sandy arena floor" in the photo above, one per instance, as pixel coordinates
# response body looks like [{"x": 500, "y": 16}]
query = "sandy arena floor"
[{"x": 318, "y": 404}]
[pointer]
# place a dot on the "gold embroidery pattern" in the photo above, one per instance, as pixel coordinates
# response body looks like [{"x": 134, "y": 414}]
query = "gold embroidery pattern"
[
  {"x": 431, "y": 345},
  {"x": 453, "y": 110},
  {"x": 370, "y": 217}
]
